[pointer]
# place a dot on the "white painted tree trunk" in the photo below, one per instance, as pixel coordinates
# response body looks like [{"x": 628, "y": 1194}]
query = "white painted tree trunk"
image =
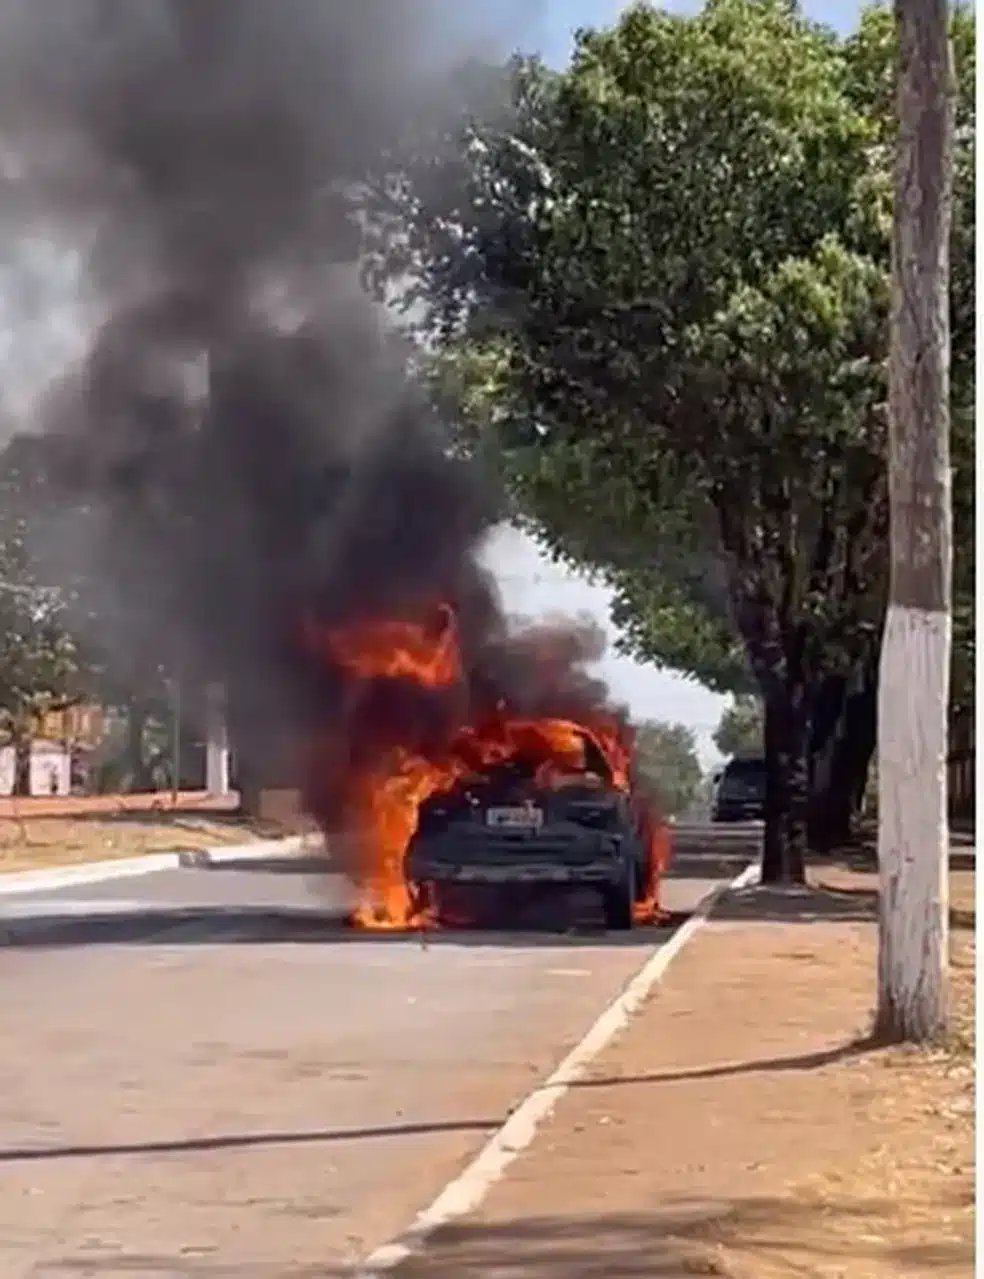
[
  {"x": 915, "y": 663},
  {"x": 913, "y": 838}
]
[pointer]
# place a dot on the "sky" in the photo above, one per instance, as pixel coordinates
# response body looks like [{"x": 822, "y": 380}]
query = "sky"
[
  {"x": 562, "y": 17},
  {"x": 533, "y": 585}
]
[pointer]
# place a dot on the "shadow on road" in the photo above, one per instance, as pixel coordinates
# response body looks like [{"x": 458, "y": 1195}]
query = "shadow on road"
[
  {"x": 240, "y": 1141},
  {"x": 809, "y": 905},
  {"x": 711, "y": 863},
  {"x": 727, "y": 1070},
  {"x": 681, "y": 1237},
  {"x": 864, "y": 858},
  {"x": 690, "y": 861},
  {"x": 797, "y": 904},
  {"x": 676, "y": 1239},
  {"x": 225, "y": 926}
]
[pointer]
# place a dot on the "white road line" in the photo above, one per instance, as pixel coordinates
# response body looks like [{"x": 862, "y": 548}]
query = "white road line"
[{"x": 466, "y": 1192}]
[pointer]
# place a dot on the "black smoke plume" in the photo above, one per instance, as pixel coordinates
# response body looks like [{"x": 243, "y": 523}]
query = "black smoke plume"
[{"x": 240, "y": 450}]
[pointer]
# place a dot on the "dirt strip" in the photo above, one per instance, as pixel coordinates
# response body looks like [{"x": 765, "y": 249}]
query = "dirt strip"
[
  {"x": 41, "y": 833},
  {"x": 744, "y": 1126}
]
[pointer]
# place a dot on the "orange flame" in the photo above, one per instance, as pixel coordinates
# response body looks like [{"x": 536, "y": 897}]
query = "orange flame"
[
  {"x": 382, "y": 802},
  {"x": 400, "y": 650}
]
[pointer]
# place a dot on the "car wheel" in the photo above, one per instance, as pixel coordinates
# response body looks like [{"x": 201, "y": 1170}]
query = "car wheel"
[{"x": 619, "y": 899}]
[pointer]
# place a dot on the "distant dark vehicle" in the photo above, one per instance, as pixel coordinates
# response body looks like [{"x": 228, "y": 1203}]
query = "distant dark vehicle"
[
  {"x": 740, "y": 794},
  {"x": 506, "y": 829}
]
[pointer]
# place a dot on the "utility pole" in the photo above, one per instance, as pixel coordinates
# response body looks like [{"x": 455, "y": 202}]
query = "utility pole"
[
  {"x": 175, "y": 690},
  {"x": 913, "y": 841},
  {"x": 216, "y": 742}
]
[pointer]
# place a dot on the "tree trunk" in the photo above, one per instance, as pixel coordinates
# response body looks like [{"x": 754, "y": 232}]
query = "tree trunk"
[
  {"x": 835, "y": 804},
  {"x": 825, "y": 740},
  {"x": 786, "y": 787},
  {"x": 135, "y": 767},
  {"x": 915, "y": 662},
  {"x": 22, "y": 763}
]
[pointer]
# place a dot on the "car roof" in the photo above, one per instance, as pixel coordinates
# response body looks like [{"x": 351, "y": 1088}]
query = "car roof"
[{"x": 745, "y": 764}]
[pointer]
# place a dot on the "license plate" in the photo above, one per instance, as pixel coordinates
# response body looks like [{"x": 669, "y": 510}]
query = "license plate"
[
  {"x": 513, "y": 875},
  {"x": 526, "y": 818}
]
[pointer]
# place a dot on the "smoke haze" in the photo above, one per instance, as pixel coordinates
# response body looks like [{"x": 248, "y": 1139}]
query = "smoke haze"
[{"x": 239, "y": 448}]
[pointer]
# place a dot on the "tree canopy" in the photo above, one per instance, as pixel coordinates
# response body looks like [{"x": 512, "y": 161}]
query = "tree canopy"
[
  {"x": 41, "y": 665},
  {"x": 667, "y": 765},
  {"x": 671, "y": 264},
  {"x": 740, "y": 730},
  {"x": 51, "y": 655}
]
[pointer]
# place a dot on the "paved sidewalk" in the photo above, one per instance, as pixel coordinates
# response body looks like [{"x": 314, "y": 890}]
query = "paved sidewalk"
[{"x": 741, "y": 1127}]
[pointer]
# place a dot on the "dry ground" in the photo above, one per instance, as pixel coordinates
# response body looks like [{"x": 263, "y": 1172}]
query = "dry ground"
[
  {"x": 745, "y": 1126},
  {"x": 41, "y": 833},
  {"x": 186, "y": 801}
]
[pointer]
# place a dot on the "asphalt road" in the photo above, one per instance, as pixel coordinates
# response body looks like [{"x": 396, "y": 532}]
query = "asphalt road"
[{"x": 204, "y": 1075}]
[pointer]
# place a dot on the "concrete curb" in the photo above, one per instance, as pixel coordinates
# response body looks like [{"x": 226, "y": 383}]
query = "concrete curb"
[
  {"x": 36, "y": 881},
  {"x": 467, "y": 1191},
  {"x": 255, "y": 852}
]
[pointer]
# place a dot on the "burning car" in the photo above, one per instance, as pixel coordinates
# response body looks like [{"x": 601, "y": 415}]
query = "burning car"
[
  {"x": 514, "y": 827},
  {"x": 445, "y": 781},
  {"x": 248, "y": 470}
]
